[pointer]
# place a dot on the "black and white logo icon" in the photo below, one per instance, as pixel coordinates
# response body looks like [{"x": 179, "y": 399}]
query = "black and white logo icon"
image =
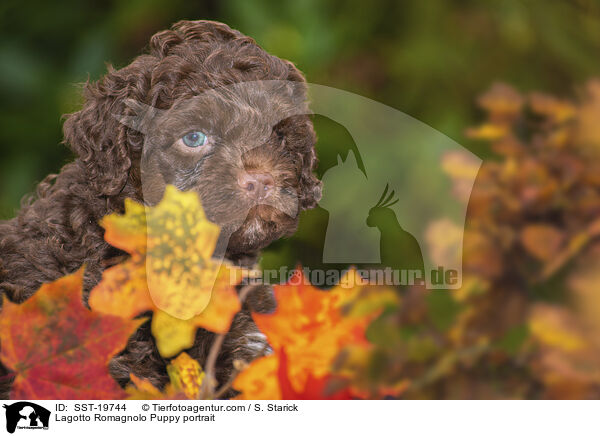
[{"x": 26, "y": 415}]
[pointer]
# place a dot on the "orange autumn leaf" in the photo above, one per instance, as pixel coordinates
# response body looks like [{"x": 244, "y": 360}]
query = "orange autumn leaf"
[
  {"x": 313, "y": 327},
  {"x": 309, "y": 323},
  {"x": 259, "y": 380},
  {"x": 269, "y": 378},
  {"x": 322, "y": 388},
  {"x": 58, "y": 348},
  {"x": 127, "y": 232}
]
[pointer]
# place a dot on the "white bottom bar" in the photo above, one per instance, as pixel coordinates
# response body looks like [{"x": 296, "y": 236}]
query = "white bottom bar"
[{"x": 299, "y": 417}]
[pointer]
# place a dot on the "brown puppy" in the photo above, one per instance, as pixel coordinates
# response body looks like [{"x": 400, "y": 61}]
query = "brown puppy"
[{"x": 207, "y": 110}]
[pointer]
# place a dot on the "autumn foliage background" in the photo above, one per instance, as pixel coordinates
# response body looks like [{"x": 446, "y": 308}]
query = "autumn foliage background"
[{"x": 512, "y": 81}]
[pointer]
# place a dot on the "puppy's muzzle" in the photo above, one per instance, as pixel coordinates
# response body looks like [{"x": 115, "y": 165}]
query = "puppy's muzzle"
[{"x": 257, "y": 186}]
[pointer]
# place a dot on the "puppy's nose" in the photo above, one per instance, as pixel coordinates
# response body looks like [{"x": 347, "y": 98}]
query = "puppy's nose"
[{"x": 257, "y": 185}]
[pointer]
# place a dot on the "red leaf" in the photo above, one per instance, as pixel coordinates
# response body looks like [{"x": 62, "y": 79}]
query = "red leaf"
[{"x": 58, "y": 348}]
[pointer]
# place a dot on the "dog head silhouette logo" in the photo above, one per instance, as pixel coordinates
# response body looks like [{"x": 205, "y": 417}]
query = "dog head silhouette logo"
[{"x": 26, "y": 415}]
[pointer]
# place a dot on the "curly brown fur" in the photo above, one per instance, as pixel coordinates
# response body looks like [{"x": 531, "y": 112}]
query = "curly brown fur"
[{"x": 185, "y": 79}]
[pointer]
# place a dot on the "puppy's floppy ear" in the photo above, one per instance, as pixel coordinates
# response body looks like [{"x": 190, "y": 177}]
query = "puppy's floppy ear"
[
  {"x": 102, "y": 143},
  {"x": 310, "y": 186},
  {"x": 311, "y": 190}
]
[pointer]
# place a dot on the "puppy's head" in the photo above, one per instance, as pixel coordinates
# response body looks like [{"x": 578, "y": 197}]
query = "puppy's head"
[
  {"x": 211, "y": 112},
  {"x": 246, "y": 149}
]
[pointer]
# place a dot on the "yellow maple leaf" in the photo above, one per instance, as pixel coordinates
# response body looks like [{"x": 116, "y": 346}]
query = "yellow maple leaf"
[
  {"x": 180, "y": 243},
  {"x": 170, "y": 271},
  {"x": 174, "y": 334}
]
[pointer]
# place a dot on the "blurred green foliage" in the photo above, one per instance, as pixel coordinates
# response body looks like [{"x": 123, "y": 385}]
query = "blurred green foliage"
[{"x": 427, "y": 59}]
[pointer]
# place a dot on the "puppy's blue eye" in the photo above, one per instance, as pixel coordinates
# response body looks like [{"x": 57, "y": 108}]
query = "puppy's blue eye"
[{"x": 194, "y": 139}]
